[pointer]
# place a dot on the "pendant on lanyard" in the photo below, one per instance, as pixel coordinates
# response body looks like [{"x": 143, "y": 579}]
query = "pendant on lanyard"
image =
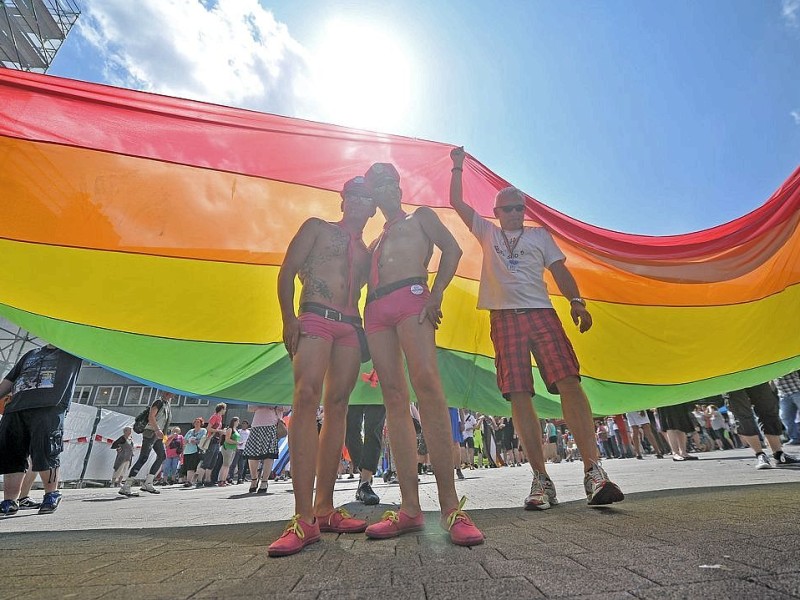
[{"x": 513, "y": 261}]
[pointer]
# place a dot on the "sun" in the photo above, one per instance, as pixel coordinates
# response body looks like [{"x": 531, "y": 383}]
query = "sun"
[{"x": 363, "y": 77}]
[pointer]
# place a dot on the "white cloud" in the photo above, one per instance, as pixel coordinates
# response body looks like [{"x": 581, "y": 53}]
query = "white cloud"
[
  {"x": 231, "y": 52},
  {"x": 790, "y": 9},
  {"x": 796, "y": 116}
]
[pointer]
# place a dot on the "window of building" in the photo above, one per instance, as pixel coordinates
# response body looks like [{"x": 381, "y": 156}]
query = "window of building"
[
  {"x": 189, "y": 401},
  {"x": 108, "y": 395},
  {"x": 82, "y": 394},
  {"x": 137, "y": 395}
]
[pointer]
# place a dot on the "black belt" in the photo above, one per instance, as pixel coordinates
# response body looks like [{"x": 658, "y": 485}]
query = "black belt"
[
  {"x": 393, "y": 287},
  {"x": 335, "y": 315},
  {"x": 328, "y": 313}
]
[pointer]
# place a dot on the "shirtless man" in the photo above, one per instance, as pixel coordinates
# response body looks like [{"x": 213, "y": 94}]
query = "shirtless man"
[
  {"x": 400, "y": 319},
  {"x": 324, "y": 344}
]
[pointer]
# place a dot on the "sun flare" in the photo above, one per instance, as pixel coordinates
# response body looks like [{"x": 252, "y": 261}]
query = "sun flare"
[{"x": 363, "y": 76}]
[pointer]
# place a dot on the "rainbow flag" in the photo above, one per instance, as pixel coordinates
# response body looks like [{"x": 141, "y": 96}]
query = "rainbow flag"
[{"x": 145, "y": 233}]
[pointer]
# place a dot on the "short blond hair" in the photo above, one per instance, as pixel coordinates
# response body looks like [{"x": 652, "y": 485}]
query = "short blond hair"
[{"x": 512, "y": 191}]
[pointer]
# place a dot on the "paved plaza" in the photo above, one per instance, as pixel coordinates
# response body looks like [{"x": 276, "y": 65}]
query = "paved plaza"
[{"x": 713, "y": 528}]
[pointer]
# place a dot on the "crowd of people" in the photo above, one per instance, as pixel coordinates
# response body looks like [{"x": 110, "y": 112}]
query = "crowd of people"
[
  {"x": 210, "y": 454},
  {"x": 327, "y": 342}
]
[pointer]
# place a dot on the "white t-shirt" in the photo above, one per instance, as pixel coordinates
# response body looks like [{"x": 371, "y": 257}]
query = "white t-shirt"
[
  {"x": 469, "y": 425},
  {"x": 243, "y": 435},
  {"x": 514, "y": 281}
]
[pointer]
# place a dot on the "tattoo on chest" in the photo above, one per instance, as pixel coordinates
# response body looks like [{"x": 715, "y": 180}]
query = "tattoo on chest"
[
  {"x": 317, "y": 287},
  {"x": 321, "y": 261}
]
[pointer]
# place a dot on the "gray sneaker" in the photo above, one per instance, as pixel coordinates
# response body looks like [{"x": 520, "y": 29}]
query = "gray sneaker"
[
  {"x": 762, "y": 461},
  {"x": 549, "y": 488},
  {"x": 599, "y": 488},
  {"x": 538, "y": 498},
  {"x": 125, "y": 490}
]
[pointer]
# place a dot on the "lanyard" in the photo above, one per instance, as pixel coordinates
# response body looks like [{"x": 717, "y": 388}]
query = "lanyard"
[{"x": 509, "y": 246}]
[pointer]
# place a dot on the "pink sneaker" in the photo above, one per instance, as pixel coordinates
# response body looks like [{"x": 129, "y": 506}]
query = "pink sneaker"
[
  {"x": 297, "y": 535},
  {"x": 341, "y": 521},
  {"x": 461, "y": 528},
  {"x": 393, "y": 524}
]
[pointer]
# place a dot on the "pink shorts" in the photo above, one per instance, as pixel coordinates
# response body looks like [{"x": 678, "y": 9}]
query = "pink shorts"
[
  {"x": 388, "y": 311},
  {"x": 336, "y": 332}
]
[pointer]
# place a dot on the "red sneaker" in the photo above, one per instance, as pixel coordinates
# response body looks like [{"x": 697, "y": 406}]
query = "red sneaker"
[
  {"x": 393, "y": 524},
  {"x": 461, "y": 528},
  {"x": 297, "y": 535},
  {"x": 341, "y": 521}
]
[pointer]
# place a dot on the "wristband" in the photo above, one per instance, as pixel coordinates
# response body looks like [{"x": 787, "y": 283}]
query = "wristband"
[{"x": 579, "y": 300}]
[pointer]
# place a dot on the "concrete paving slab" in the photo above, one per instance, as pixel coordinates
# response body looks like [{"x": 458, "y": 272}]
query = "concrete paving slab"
[{"x": 211, "y": 543}]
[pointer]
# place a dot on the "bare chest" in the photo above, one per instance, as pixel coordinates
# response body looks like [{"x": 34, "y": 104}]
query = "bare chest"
[{"x": 404, "y": 244}]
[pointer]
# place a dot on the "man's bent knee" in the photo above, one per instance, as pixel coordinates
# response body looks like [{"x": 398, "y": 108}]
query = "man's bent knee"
[{"x": 568, "y": 384}]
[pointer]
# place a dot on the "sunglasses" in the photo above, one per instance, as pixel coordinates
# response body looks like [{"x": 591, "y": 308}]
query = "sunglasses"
[{"x": 512, "y": 208}]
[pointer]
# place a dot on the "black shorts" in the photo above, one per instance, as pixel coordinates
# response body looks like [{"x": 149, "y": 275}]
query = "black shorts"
[
  {"x": 761, "y": 398},
  {"x": 210, "y": 455},
  {"x": 676, "y": 418},
  {"x": 191, "y": 461},
  {"x": 468, "y": 442},
  {"x": 36, "y": 432}
]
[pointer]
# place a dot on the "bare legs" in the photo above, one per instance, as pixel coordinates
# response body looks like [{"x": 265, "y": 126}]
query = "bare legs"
[
  {"x": 416, "y": 341},
  {"x": 339, "y": 383},
  {"x": 578, "y": 415},
  {"x": 527, "y": 426},
  {"x": 318, "y": 361},
  {"x": 773, "y": 441}
]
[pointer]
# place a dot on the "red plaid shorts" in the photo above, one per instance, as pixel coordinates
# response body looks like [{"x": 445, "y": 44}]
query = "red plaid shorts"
[{"x": 516, "y": 335}]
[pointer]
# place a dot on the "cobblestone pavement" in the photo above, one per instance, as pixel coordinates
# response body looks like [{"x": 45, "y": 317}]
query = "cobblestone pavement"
[{"x": 713, "y": 528}]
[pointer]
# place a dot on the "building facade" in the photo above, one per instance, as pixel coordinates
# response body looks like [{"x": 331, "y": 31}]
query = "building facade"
[{"x": 98, "y": 387}]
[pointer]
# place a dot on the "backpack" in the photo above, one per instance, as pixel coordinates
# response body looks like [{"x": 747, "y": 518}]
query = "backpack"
[
  {"x": 176, "y": 445},
  {"x": 141, "y": 420}
]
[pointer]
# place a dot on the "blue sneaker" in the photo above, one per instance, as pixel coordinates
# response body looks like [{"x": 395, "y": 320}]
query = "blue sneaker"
[
  {"x": 8, "y": 507},
  {"x": 50, "y": 503}
]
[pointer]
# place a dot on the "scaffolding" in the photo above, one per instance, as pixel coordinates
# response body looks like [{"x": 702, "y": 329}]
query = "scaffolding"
[
  {"x": 32, "y": 31},
  {"x": 14, "y": 342}
]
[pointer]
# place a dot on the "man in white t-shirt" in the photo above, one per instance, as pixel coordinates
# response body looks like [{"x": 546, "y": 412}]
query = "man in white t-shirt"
[
  {"x": 468, "y": 442},
  {"x": 522, "y": 320}
]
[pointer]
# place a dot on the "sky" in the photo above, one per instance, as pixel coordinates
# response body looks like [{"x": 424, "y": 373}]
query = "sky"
[{"x": 656, "y": 118}]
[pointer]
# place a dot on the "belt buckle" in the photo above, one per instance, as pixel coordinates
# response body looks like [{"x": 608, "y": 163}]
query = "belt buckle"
[
  {"x": 337, "y": 316},
  {"x": 520, "y": 311}
]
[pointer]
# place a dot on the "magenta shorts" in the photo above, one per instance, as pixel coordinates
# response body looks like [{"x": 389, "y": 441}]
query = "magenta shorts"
[
  {"x": 336, "y": 332},
  {"x": 390, "y": 310}
]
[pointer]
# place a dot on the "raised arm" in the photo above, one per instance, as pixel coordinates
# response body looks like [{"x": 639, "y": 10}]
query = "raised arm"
[
  {"x": 296, "y": 254},
  {"x": 451, "y": 254},
  {"x": 569, "y": 288},
  {"x": 456, "y": 187}
]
